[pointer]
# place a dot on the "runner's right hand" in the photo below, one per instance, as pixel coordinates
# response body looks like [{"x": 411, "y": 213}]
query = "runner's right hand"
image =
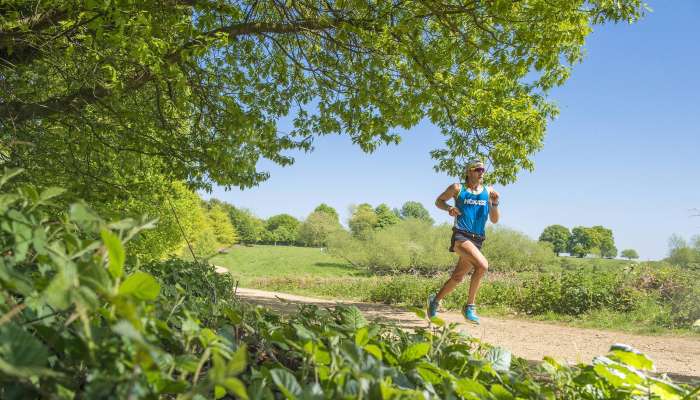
[{"x": 454, "y": 212}]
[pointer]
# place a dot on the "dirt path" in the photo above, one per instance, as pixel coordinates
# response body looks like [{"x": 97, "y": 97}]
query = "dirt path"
[{"x": 678, "y": 356}]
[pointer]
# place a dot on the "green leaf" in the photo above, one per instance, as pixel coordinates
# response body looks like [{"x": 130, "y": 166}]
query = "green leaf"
[
  {"x": 238, "y": 361},
  {"x": 58, "y": 292},
  {"x": 141, "y": 285},
  {"x": 374, "y": 350},
  {"x": 286, "y": 383},
  {"x": 362, "y": 336},
  {"x": 666, "y": 390},
  {"x": 352, "y": 318},
  {"x": 500, "y": 358},
  {"x": 125, "y": 329},
  {"x": 431, "y": 372},
  {"x": 236, "y": 387},
  {"x": 415, "y": 351},
  {"x": 116, "y": 253},
  {"x": 20, "y": 348},
  {"x": 50, "y": 193},
  {"x": 219, "y": 392},
  {"x": 630, "y": 356},
  {"x": 6, "y": 201},
  {"x": 471, "y": 389},
  {"x": 9, "y": 174},
  {"x": 169, "y": 386},
  {"x": 501, "y": 392},
  {"x": 79, "y": 212}
]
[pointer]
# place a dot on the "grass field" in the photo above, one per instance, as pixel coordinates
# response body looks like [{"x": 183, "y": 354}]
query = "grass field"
[{"x": 251, "y": 263}]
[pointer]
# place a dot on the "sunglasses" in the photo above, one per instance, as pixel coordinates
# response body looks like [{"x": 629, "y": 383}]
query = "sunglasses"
[{"x": 479, "y": 169}]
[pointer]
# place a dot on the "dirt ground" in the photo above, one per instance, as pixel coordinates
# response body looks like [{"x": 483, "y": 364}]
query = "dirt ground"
[{"x": 677, "y": 356}]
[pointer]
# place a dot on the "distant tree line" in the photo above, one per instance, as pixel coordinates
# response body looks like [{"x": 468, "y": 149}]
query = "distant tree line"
[
  {"x": 319, "y": 225},
  {"x": 582, "y": 241}
]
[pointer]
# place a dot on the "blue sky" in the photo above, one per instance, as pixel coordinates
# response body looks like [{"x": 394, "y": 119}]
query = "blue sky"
[{"x": 623, "y": 153}]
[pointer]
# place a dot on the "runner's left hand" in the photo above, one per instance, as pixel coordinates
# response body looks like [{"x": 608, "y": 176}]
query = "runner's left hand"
[{"x": 493, "y": 196}]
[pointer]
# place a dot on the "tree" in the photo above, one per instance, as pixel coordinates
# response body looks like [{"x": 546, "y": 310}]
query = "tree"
[
  {"x": 362, "y": 221},
  {"x": 385, "y": 217},
  {"x": 629, "y": 254},
  {"x": 596, "y": 240},
  {"x": 221, "y": 224},
  {"x": 580, "y": 242},
  {"x": 282, "y": 228},
  {"x": 102, "y": 96},
  {"x": 558, "y": 236},
  {"x": 323, "y": 207},
  {"x": 603, "y": 239},
  {"x": 682, "y": 253},
  {"x": 318, "y": 228},
  {"x": 249, "y": 227},
  {"x": 414, "y": 209},
  {"x": 180, "y": 214}
]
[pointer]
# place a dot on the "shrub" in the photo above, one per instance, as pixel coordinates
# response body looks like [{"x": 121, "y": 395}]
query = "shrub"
[
  {"x": 410, "y": 246},
  {"x": 510, "y": 250}
]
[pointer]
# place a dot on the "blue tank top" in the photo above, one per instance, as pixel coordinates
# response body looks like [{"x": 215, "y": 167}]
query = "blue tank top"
[{"x": 474, "y": 209}]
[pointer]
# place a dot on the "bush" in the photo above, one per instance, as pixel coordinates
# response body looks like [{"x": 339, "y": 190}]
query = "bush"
[
  {"x": 79, "y": 321},
  {"x": 510, "y": 250},
  {"x": 410, "y": 246}
]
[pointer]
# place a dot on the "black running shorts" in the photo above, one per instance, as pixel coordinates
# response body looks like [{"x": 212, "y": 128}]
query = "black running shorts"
[{"x": 459, "y": 235}]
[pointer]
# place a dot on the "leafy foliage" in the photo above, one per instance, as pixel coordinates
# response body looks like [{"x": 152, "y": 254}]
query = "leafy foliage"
[
  {"x": 249, "y": 227},
  {"x": 629, "y": 254},
  {"x": 596, "y": 240},
  {"x": 684, "y": 254},
  {"x": 510, "y": 250},
  {"x": 414, "y": 209},
  {"x": 362, "y": 221},
  {"x": 281, "y": 228},
  {"x": 220, "y": 223},
  {"x": 317, "y": 229},
  {"x": 124, "y": 91},
  {"x": 385, "y": 217},
  {"x": 410, "y": 245},
  {"x": 558, "y": 236},
  {"x": 79, "y": 321},
  {"x": 325, "y": 208}
]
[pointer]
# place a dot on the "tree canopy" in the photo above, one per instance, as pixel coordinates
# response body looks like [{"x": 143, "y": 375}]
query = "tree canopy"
[
  {"x": 325, "y": 208},
  {"x": 629, "y": 254},
  {"x": 592, "y": 240},
  {"x": 99, "y": 96},
  {"x": 414, "y": 209},
  {"x": 558, "y": 236}
]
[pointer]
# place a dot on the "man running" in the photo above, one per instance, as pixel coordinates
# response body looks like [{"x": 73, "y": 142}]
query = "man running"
[{"x": 474, "y": 202}]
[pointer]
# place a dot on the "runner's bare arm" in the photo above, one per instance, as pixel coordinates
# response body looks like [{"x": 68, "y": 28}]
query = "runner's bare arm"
[
  {"x": 494, "y": 215},
  {"x": 450, "y": 193}
]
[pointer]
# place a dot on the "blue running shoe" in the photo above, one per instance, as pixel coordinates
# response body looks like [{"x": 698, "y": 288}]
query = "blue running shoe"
[
  {"x": 470, "y": 314},
  {"x": 433, "y": 305}
]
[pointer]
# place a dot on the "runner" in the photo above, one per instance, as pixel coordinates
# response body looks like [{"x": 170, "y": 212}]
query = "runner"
[{"x": 474, "y": 202}]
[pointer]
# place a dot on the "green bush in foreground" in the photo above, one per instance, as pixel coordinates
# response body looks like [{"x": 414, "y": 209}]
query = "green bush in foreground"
[{"x": 79, "y": 321}]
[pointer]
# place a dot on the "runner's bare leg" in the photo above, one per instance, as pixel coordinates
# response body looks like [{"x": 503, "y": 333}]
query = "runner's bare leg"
[
  {"x": 472, "y": 254},
  {"x": 461, "y": 269}
]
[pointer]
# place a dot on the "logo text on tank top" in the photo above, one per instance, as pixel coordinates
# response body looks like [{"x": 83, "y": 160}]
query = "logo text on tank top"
[{"x": 473, "y": 202}]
